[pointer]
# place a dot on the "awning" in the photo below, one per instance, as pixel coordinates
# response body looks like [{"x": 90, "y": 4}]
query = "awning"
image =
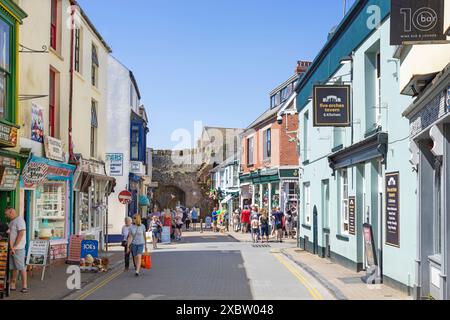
[
  {"x": 418, "y": 83},
  {"x": 227, "y": 198},
  {"x": 87, "y": 177}
]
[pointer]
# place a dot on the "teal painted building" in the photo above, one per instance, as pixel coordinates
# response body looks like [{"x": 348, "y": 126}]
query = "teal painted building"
[{"x": 346, "y": 172}]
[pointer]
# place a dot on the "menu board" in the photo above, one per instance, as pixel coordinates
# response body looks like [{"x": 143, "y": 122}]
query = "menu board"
[
  {"x": 393, "y": 209},
  {"x": 58, "y": 251},
  {"x": 3, "y": 264},
  {"x": 38, "y": 253},
  {"x": 75, "y": 249},
  {"x": 352, "y": 215},
  {"x": 8, "y": 178}
]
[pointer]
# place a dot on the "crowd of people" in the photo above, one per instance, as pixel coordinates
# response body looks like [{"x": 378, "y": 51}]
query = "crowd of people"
[{"x": 260, "y": 224}]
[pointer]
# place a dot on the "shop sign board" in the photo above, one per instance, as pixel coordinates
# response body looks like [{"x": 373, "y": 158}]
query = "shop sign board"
[
  {"x": 352, "y": 215},
  {"x": 53, "y": 149},
  {"x": 165, "y": 235},
  {"x": 331, "y": 106},
  {"x": 92, "y": 167},
  {"x": 34, "y": 173},
  {"x": 38, "y": 253},
  {"x": 369, "y": 245},
  {"x": 125, "y": 197},
  {"x": 8, "y": 178},
  {"x": 417, "y": 21},
  {"x": 89, "y": 247},
  {"x": 115, "y": 163},
  {"x": 37, "y": 123},
  {"x": 8, "y": 162},
  {"x": 8, "y": 135},
  {"x": 393, "y": 209}
]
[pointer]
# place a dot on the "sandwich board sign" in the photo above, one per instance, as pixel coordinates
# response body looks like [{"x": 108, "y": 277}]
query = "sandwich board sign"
[{"x": 38, "y": 254}]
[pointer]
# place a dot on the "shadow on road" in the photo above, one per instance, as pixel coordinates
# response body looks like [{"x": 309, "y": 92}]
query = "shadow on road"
[{"x": 206, "y": 238}]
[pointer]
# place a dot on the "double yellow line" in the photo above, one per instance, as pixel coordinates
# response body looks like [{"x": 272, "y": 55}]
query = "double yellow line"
[
  {"x": 313, "y": 291},
  {"x": 100, "y": 285}
]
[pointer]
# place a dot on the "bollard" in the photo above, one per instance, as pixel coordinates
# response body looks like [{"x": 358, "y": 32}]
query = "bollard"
[{"x": 201, "y": 225}]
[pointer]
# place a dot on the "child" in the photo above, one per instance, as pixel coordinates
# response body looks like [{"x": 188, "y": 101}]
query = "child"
[{"x": 255, "y": 229}]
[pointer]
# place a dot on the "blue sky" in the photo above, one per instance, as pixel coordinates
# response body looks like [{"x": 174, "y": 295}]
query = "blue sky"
[{"x": 213, "y": 61}]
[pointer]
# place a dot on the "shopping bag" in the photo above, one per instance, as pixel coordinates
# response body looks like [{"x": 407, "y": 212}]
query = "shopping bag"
[{"x": 146, "y": 261}]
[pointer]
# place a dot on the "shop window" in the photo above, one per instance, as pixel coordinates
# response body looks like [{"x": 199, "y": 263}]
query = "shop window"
[
  {"x": 84, "y": 212},
  {"x": 5, "y": 39},
  {"x": 50, "y": 218},
  {"x": 305, "y": 136},
  {"x": 344, "y": 201},
  {"x": 275, "y": 195},
  {"x": 307, "y": 202},
  {"x": 95, "y": 66}
]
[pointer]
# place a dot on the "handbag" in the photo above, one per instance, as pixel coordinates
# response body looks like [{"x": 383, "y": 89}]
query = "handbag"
[{"x": 146, "y": 260}]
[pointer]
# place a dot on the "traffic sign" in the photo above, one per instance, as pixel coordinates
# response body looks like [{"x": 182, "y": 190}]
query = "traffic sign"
[{"x": 125, "y": 197}]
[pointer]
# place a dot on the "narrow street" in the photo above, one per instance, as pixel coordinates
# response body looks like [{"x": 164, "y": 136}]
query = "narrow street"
[{"x": 207, "y": 266}]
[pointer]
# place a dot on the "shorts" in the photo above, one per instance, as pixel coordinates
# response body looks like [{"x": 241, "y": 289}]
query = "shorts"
[
  {"x": 179, "y": 226},
  {"x": 17, "y": 261},
  {"x": 194, "y": 220},
  {"x": 215, "y": 223},
  {"x": 265, "y": 231},
  {"x": 245, "y": 225},
  {"x": 155, "y": 234},
  {"x": 278, "y": 227},
  {"x": 255, "y": 230},
  {"x": 137, "y": 249}
]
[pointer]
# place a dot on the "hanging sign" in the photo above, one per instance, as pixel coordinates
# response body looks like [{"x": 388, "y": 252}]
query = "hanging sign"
[
  {"x": 417, "y": 21},
  {"x": 37, "y": 123},
  {"x": 331, "y": 106},
  {"x": 125, "y": 197},
  {"x": 393, "y": 209},
  {"x": 34, "y": 173},
  {"x": 115, "y": 163},
  {"x": 54, "y": 149},
  {"x": 8, "y": 178},
  {"x": 8, "y": 135},
  {"x": 352, "y": 215}
]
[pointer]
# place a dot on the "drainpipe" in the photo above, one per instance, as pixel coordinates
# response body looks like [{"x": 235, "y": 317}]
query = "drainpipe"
[{"x": 72, "y": 25}]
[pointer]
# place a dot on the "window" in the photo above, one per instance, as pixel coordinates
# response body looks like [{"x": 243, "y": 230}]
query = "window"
[
  {"x": 307, "y": 202},
  {"x": 277, "y": 99},
  {"x": 94, "y": 126},
  {"x": 438, "y": 211},
  {"x": 272, "y": 102},
  {"x": 5, "y": 53},
  {"x": 135, "y": 142},
  {"x": 95, "y": 66},
  {"x": 378, "y": 90},
  {"x": 326, "y": 203},
  {"x": 267, "y": 144},
  {"x": 54, "y": 24},
  {"x": 52, "y": 105},
  {"x": 78, "y": 50},
  {"x": 344, "y": 201},
  {"x": 250, "y": 151}
]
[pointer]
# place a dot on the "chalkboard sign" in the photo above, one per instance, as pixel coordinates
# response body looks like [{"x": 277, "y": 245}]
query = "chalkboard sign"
[
  {"x": 369, "y": 245},
  {"x": 38, "y": 253},
  {"x": 352, "y": 215},
  {"x": 165, "y": 235},
  {"x": 208, "y": 222}
]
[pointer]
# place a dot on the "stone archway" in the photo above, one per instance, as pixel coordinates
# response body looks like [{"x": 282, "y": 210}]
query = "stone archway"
[{"x": 168, "y": 197}]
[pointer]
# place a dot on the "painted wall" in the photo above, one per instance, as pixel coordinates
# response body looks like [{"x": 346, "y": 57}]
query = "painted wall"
[
  {"x": 398, "y": 262},
  {"x": 118, "y": 111}
]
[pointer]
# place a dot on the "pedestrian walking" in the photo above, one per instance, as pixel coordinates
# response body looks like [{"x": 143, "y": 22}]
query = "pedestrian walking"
[
  {"x": 236, "y": 220},
  {"x": 264, "y": 225},
  {"x": 188, "y": 219},
  {"x": 245, "y": 219},
  {"x": 194, "y": 215},
  {"x": 255, "y": 216},
  {"x": 167, "y": 222},
  {"x": 289, "y": 223},
  {"x": 137, "y": 241},
  {"x": 254, "y": 227},
  {"x": 125, "y": 232},
  {"x": 178, "y": 227},
  {"x": 156, "y": 228},
  {"x": 17, "y": 243},
  {"x": 214, "y": 216},
  {"x": 278, "y": 219}
]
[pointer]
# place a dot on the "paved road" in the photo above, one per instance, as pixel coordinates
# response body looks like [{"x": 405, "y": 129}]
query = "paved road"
[{"x": 211, "y": 267}]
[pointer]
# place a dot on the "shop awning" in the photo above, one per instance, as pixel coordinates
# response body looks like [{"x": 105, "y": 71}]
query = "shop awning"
[{"x": 226, "y": 199}]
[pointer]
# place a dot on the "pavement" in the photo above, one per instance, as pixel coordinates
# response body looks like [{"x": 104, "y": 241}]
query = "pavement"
[{"x": 54, "y": 285}]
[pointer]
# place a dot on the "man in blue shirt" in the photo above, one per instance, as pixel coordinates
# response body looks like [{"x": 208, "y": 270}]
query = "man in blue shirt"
[
  {"x": 214, "y": 219},
  {"x": 194, "y": 215}
]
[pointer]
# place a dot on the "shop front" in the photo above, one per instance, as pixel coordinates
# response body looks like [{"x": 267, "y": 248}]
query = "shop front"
[
  {"x": 46, "y": 203},
  {"x": 91, "y": 190},
  {"x": 10, "y": 165},
  {"x": 429, "y": 118}
]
